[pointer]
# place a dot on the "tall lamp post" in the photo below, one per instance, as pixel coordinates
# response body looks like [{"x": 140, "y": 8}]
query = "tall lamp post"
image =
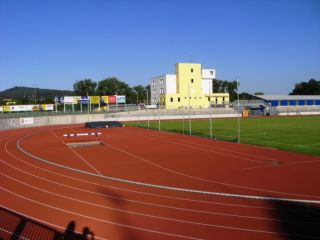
[
  {"x": 147, "y": 107},
  {"x": 238, "y": 111}
]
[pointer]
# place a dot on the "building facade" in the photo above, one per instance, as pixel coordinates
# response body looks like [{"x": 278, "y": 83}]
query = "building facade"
[{"x": 191, "y": 86}]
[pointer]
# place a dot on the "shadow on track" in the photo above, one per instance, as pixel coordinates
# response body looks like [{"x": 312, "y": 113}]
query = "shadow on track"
[
  {"x": 116, "y": 201},
  {"x": 297, "y": 220},
  {"x": 14, "y": 226}
]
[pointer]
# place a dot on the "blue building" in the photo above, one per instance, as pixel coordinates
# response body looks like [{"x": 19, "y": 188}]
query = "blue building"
[{"x": 290, "y": 100}]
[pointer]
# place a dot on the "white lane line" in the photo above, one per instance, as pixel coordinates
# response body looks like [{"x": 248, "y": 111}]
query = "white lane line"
[
  {"x": 78, "y": 155},
  {"x": 144, "y": 184},
  {"x": 154, "y": 231},
  {"x": 84, "y": 160},
  {"x": 128, "y": 190},
  {"x": 133, "y": 201},
  {"x": 214, "y": 193},
  {"x": 219, "y": 150},
  {"x": 98, "y": 219},
  {"x": 13, "y": 235},
  {"x": 41, "y": 221},
  {"x": 153, "y": 216}
]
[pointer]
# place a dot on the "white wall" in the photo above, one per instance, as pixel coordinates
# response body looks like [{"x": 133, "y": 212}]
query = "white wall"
[
  {"x": 209, "y": 73},
  {"x": 171, "y": 83},
  {"x": 206, "y": 85}
]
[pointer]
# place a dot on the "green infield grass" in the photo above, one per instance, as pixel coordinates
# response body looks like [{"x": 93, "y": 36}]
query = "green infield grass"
[{"x": 299, "y": 134}]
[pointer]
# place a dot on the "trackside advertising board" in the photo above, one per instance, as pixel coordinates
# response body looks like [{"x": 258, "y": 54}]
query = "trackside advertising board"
[
  {"x": 27, "y": 108},
  {"x": 112, "y": 99},
  {"x": 121, "y": 99},
  {"x": 26, "y": 121},
  {"x": 103, "y": 100}
]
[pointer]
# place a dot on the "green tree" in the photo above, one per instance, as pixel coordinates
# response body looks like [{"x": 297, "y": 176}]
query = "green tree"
[
  {"x": 141, "y": 94},
  {"x": 312, "y": 87},
  {"x": 259, "y": 93},
  {"x": 113, "y": 86},
  {"x": 224, "y": 86},
  {"x": 85, "y": 87}
]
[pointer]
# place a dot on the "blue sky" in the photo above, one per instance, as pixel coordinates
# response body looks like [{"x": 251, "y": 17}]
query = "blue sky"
[{"x": 269, "y": 45}]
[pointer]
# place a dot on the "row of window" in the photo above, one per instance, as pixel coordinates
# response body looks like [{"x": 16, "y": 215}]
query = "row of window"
[
  {"x": 178, "y": 99},
  {"x": 155, "y": 81}
]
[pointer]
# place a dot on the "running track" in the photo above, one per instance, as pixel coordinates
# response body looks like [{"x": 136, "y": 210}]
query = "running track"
[{"x": 44, "y": 180}]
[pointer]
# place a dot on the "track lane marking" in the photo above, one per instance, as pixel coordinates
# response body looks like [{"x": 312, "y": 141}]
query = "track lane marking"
[
  {"x": 99, "y": 219},
  {"x": 153, "y": 231},
  {"x": 153, "y": 216},
  {"x": 223, "y": 194}
]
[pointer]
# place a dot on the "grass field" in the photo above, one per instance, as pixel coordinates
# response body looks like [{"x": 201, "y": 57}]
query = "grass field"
[{"x": 299, "y": 134}]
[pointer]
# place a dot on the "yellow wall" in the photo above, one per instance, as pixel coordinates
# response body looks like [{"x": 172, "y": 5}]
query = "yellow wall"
[
  {"x": 184, "y": 76},
  {"x": 189, "y": 83}
]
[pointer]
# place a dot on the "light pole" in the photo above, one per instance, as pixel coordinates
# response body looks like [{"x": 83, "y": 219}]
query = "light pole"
[
  {"x": 210, "y": 111},
  {"x": 147, "y": 107},
  {"x": 35, "y": 93},
  {"x": 189, "y": 110},
  {"x": 238, "y": 111}
]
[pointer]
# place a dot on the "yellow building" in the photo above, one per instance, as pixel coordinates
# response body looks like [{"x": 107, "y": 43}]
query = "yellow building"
[{"x": 193, "y": 88}]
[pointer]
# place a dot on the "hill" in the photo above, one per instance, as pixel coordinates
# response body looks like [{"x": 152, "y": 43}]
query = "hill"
[{"x": 28, "y": 93}]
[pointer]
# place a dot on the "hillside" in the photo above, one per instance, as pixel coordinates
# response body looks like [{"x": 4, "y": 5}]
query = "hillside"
[{"x": 28, "y": 93}]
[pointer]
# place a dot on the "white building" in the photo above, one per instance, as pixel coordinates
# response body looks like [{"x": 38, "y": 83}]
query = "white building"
[{"x": 166, "y": 84}]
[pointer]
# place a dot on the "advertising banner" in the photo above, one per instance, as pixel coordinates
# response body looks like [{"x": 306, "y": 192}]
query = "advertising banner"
[
  {"x": 104, "y": 100},
  {"x": 58, "y": 99},
  {"x": 46, "y": 107},
  {"x": 94, "y": 99},
  {"x": 26, "y": 121},
  {"x": 6, "y": 109},
  {"x": 18, "y": 108},
  {"x": 112, "y": 99},
  {"x": 68, "y": 99},
  {"x": 84, "y": 99},
  {"x": 121, "y": 99}
]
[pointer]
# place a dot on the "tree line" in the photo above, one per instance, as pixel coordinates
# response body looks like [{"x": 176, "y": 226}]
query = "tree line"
[{"x": 112, "y": 86}]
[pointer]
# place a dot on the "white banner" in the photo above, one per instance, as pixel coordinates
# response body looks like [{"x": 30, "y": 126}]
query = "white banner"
[
  {"x": 68, "y": 100},
  {"x": 1, "y": 109},
  {"x": 26, "y": 121}
]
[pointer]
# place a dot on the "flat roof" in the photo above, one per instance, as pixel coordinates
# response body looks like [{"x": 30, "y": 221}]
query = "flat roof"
[{"x": 288, "y": 97}]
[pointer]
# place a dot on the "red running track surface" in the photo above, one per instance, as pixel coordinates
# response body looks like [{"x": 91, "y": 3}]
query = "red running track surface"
[{"x": 51, "y": 184}]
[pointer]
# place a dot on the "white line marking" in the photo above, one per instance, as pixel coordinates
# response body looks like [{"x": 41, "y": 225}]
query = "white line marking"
[
  {"x": 98, "y": 219},
  {"x": 168, "y": 187},
  {"x": 153, "y": 216},
  {"x": 42, "y": 222},
  {"x": 78, "y": 155},
  {"x": 92, "y": 167}
]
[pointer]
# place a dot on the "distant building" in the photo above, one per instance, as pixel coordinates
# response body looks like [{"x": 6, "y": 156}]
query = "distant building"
[
  {"x": 290, "y": 100},
  {"x": 189, "y": 86}
]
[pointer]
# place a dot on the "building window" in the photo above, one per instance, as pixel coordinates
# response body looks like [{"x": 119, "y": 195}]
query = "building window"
[
  {"x": 192, "y": 70},
  {"x": 171, "y": 99},
  {"x": 191, "y": 80},
  {"x": 211, "y": 72},
  {"x": 161, "y": 81},
  {"x": 178, "y": 99}
]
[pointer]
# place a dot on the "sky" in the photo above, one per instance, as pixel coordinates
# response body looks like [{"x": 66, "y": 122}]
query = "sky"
[{"x": 268, "y": 45}]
